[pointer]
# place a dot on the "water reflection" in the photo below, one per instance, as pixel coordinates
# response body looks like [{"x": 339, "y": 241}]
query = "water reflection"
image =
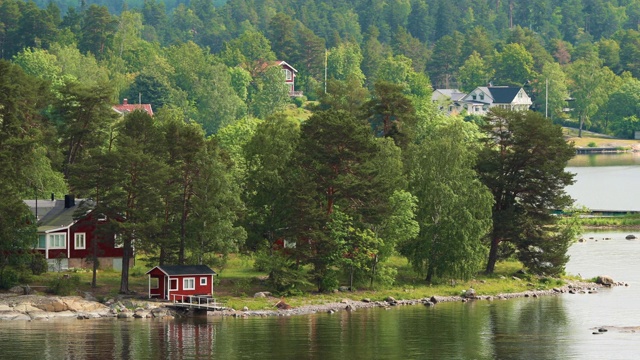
[
  {"x": 528, "y": 328},
  {"x": 621, "y": 159}
]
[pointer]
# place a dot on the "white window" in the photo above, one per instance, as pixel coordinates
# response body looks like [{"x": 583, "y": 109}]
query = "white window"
[
  {"x": 57, "y": 241},
  {"x": 288, "y": 74},
  {"x": 117, "y": 242},
  {"x": 173, "y": 284},
  {"x": 481, "y": 96},
  {"x": 203, "y": 281},
  {"x": 188, "y": 284},
  {"x": 80, "y": 241}
]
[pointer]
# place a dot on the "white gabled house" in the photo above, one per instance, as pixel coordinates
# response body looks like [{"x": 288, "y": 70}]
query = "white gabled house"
[{"x": 482, "y": 98}]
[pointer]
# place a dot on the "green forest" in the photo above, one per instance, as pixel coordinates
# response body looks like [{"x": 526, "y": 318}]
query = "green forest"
[{"x": 362, "y": 167}]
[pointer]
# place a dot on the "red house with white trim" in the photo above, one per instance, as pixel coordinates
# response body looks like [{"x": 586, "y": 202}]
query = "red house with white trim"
[
  {"x": 289, "y": 72},
  {"x": 67, "y": 242},
  {"x": 126, "y": 108},
  {"x": 175, "y": 282}
]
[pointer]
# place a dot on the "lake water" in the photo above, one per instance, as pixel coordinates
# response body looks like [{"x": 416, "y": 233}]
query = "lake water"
[
  {"x": 606, "y": 182},
  {"x": 554, "y": 327}
]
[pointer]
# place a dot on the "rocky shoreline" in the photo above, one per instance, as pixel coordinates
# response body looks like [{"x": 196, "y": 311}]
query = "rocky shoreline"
[
  {"x": 282, "y": 309},
  {"x": 38, "y": 307}
]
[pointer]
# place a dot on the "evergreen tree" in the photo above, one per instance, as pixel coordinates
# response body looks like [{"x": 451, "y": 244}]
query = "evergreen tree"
[{"x": 523, "y": 164}]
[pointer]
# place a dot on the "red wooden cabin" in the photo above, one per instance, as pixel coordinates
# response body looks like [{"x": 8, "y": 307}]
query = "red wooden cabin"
[{"x": 176, "y": 282}]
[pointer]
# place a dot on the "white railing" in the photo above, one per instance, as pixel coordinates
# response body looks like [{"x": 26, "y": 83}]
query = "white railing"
[{"x": 204, "y": 301}]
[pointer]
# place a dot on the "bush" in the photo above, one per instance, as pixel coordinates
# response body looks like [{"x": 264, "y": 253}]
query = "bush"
[
  {"x": 64, "y": 285},
  {"x": 38, "y": 264},
  {"x": 329, "y": 281},
  {"x": 299, "y": 100},
  {"x": 8, "y": 278},
  {"x": 285, "y": 276},
  {"x": 386, "y": 276},
  {"x": 592, "y": 144}
]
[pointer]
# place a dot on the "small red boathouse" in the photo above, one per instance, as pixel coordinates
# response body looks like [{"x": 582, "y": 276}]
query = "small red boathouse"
[{"x": 175, "y": 282}]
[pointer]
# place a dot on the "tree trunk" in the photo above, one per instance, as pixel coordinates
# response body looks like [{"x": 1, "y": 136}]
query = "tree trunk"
[
  {"x": 373, "y": 270},
  {"x": 126, "y": 255},
  {"x": 94, "y": 258},
  {"x": 493, "y": 256},
  {"x": 429, "y": 274},
  {"x": 580, "y": 127},
  {"x": 351, "y": 279}
]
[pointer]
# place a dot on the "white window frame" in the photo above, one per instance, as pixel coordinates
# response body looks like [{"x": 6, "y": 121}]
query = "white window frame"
[
  {"x": 288, "y": 74},
  {"x": 116, "y": 244},
  {"x": 80, "y": 241},
  {"x": 57, "y": 241},
  {"x": 203, "y": 281},
  {"x": 171, "y": 283},
  {"x": 186, "y": 281}
]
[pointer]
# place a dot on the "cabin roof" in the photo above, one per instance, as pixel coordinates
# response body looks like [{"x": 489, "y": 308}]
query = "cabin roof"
[{"x": 173, "y": 270}]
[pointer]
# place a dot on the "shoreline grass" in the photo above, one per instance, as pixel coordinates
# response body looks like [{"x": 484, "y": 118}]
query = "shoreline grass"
[{"x": 238, "y": 282}]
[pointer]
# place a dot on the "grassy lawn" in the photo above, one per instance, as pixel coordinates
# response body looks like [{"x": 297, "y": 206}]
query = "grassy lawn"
[
  {"x": 237, "y": 282},
  {"x": 597, "y": 140}
]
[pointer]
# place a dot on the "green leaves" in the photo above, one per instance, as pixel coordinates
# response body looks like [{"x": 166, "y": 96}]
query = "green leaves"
[{"x": 453, "y": 207}]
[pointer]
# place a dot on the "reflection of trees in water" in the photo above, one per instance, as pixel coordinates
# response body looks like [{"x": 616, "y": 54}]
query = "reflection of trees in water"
[
  {"x": 528, "y": 328},
  {"x": 620, "y": 159}
]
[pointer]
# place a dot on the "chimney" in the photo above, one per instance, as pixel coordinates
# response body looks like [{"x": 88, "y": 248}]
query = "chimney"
[
  {"x": 69, "y": 201},
  {"x": 124, "y": 102}
]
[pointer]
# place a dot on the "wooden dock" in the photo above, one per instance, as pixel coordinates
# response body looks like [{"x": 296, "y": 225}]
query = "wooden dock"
[
  {"x": 196, "y": 302},
  {"x": 601, "y": 150}
]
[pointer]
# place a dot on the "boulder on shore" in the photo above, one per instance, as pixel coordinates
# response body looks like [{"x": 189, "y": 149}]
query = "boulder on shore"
[
  {"x": 605, "y": 280},
  {"x": 470, "y": 294}
]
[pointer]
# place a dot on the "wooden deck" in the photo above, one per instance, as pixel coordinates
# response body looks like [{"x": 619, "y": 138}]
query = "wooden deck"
[{"x": 199, "y": 302}]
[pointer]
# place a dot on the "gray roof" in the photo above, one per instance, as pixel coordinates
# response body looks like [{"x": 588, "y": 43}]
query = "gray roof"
[
  {"x": 454, "y": 94},
  {"x": 53, "y": 214},
  {"x": 503, "y": 94},
  {"x": 185, "y": 270}
]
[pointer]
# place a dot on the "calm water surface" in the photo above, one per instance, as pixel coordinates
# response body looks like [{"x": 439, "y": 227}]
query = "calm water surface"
[
  {"x": 555, "y": 327},
  {"x": 544, "y": 328}
]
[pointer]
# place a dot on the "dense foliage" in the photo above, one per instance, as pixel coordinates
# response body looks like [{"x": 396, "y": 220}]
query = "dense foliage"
[{"x": 376, "y": 169}]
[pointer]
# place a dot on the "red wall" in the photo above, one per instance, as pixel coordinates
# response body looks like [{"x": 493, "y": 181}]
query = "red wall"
[
  {"x": 106, "y": 247},
  {"x": 199, "y": 289}
]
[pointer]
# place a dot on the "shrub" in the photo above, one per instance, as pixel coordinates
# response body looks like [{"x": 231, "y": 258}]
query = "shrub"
[
  {"x": 285, "y": 276},
  {"x": 329, "y": 281},
  {"x": 38, "y": 264},
  {"x": 64, "y": 285},
  {"x": 299, "y": 100},
  {"x": 386, "y": 275},
  {"x": 592, "y": 144},
  {"x": 8, "y": 278}
]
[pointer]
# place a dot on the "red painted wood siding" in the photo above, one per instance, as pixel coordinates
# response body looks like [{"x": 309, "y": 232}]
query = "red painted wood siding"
[{"x": 106, "y": 247}]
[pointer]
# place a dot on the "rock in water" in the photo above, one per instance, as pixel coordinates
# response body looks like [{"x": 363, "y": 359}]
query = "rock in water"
[
  {"x": 470, "y": 294},
  {"x": 605, "y": 280}
]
